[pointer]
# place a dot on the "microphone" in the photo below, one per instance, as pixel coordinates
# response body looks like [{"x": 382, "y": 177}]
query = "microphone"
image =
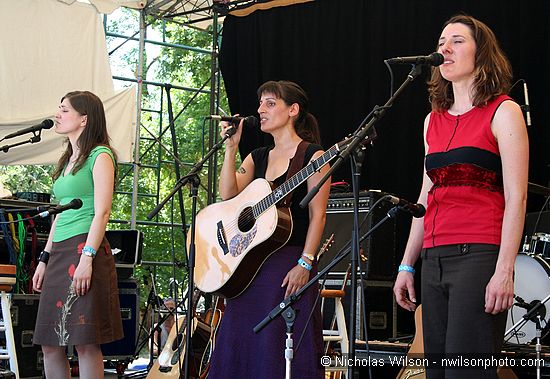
[
  {"x": 527, "y": 107},
  {"x": 248, "y": 121},
  {"x": 434, "y": 59},
  {"x": 73, "y": 204},
  {"x": 416, "y": 210},
  {"x": 46, "y": 124}
]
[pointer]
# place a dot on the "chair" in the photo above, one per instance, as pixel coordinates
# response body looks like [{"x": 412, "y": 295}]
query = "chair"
[{"x": 7, "y": 281}]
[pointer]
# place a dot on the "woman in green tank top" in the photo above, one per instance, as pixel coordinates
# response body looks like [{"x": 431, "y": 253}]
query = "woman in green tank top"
[{"x": 79, "y": 303}]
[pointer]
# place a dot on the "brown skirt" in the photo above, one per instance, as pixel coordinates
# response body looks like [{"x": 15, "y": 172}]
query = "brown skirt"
[{"x": 67, "y": 319}]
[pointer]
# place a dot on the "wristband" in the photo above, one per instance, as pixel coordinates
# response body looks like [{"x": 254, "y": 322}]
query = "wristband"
[
  {"x": 89, "y": 251},
  {"x": 44, "y": 257},
  {"x": 304, "y": 264},
  {"x": 406, "y": 268},
  {"x": 311, "y": 257}
]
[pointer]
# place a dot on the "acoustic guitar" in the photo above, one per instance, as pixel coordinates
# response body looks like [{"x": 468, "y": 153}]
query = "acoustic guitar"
[
  {"x": 233, "y": 238},
  {"x": 417, "y": 347},
  {"x": 170, "y": 362}
]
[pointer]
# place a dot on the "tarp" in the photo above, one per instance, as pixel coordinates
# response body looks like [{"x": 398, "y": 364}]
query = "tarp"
[{"x": 49, "y": 48}]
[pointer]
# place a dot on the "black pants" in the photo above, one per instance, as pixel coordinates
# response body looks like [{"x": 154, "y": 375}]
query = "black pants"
[{"x": 454, "y": 278}]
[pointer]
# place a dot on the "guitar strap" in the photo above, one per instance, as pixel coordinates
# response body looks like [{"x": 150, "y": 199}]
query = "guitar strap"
[{"x": 295, "y": 166}]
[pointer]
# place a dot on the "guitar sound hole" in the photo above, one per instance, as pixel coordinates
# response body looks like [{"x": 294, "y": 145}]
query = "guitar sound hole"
[
  {"x": 246, "y": 220},
  {"x": 178, "y": 341}
]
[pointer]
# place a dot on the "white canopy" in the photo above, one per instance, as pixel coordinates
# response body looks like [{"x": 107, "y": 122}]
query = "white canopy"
[{"x": 48, "y": 49}]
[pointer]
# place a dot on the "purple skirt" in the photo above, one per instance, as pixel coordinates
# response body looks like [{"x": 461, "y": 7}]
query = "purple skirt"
[{"x": 241, "y": 353}]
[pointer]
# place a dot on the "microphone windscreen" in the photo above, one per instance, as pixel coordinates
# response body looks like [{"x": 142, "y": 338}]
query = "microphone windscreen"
[
  {"x": 47, "y": 124},
  {"x": 251, "y": 122}
]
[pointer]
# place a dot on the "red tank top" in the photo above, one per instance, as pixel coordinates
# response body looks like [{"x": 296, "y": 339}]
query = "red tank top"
[{"x": 466, "y": 202}]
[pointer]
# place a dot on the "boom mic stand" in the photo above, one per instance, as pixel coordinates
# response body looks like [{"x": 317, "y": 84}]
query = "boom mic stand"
[
  {"x": 353, "y": 148},
  {"x": 193, "y": 178},
  {"x": 286, "y": 305},
  {"x": 34, "y": 139}
]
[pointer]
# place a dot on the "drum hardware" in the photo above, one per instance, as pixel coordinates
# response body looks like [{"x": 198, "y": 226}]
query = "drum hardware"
[
  {"x": 540, "y": 244},
  {"x": 536, "y": 312},
  {"x": 529, "y": 269}
]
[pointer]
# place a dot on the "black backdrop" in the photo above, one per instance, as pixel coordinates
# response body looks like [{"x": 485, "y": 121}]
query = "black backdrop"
[{"x": 335, "y": 50}]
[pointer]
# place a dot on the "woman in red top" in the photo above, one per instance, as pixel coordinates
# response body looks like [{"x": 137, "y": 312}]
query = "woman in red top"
[{"x": 474, "y": 189}]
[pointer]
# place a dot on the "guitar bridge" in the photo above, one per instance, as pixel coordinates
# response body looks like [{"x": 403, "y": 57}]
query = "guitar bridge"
[{"x": 222, "y": 240}]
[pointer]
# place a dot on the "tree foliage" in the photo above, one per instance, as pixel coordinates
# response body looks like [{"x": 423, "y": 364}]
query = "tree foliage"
[{"x": 178, "y": 67}]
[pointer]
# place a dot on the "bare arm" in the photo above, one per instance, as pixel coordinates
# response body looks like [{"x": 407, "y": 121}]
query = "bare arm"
[
  {"x": 509, "y": 129},
  {"x": 104, "y": 176},
  {"x": 298, "y": 276},
  {"x": 404, "y": 284}
]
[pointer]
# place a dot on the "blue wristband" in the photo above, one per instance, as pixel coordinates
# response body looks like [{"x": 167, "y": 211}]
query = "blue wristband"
[
  {"x": 89, "y": 251},
  {"x": 406, "y": 268},
  {"x": 304, "y": 264}
]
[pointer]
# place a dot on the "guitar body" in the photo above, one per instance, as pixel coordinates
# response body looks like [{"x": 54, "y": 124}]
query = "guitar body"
[
  {"x": 417, "y": 347},
  {"x": 167, "y": 365},
  {"x": 231, "y": 245}
]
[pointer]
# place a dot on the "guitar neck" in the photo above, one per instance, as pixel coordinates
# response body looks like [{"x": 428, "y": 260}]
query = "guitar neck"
[{"x": 301, "y": 176}]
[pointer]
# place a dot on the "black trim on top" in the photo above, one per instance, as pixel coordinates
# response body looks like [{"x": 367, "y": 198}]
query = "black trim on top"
[{"x": 465, "y": 155}]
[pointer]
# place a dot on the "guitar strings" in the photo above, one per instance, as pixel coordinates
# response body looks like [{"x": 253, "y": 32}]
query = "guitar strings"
[{"x": 233, "y": 226}]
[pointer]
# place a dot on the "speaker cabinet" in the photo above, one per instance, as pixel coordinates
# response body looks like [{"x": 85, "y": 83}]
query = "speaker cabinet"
[
  {"x": 23, "y": 315},
  {"x": 379, "y": 249},
  {"x": 129, "y": 310}
]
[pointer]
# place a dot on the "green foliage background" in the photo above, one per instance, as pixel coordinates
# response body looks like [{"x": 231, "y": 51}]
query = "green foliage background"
[{"x": 164, "y": 237}]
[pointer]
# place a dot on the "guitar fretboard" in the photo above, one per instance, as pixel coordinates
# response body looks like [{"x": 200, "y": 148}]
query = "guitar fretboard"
[{"x": 301, "y": 176}]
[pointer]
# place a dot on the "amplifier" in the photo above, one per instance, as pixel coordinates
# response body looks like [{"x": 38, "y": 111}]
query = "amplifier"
[
  {"x": 123, "y": 349},
  {"x": 23, "y": 315},
  {"x": 126, "y": 246},
  {"x": 379, "y": 249}
]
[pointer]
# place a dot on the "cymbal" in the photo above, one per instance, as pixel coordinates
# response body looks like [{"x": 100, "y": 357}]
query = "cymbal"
[{"x": 538, "y": 189}]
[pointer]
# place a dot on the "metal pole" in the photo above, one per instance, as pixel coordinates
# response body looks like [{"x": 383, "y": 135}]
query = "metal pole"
[{"x": 142, "y": 27}]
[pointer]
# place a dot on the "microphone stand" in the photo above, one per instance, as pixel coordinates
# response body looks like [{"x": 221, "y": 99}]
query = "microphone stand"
[
  {"x": 193, "y": 178},
  {"x": 285, "y": 307},
  {"x": 534, "y": 314},
  {"x": 354, "y": 146},
  {"x": 33, "y": 139}
]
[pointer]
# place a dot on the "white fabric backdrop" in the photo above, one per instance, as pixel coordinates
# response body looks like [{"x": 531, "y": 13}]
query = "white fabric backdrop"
[{"x": 49, "y": 48}]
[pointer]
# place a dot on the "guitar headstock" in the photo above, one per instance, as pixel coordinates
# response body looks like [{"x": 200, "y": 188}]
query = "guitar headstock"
[{"x": 326, "y": 245}]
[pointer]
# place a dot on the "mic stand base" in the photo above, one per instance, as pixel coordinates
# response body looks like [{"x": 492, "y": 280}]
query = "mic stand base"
[{"x": 289, "y": 315}]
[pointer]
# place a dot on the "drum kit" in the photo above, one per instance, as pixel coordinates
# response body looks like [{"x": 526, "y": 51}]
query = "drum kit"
[{"x": 529, "y": 316}]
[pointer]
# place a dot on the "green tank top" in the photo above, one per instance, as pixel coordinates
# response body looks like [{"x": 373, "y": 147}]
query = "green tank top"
[{"x": 80, "y": 185}]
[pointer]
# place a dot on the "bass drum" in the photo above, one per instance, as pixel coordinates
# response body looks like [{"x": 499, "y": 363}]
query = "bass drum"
[{"x": 531, "y": 283}]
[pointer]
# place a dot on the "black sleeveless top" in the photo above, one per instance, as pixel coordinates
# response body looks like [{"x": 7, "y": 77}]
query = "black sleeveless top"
[{"x": 300, "y": 217}]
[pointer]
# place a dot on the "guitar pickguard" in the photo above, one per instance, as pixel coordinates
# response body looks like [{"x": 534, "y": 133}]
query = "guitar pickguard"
[{"x": 240, "y": 242}]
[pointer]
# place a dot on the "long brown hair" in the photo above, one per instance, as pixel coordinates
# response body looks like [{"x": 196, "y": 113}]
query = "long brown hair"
[
  {"x": 493, "y": 70},
  {"x": 306, "y": 125},
  {"x": 94, "y": 134}
]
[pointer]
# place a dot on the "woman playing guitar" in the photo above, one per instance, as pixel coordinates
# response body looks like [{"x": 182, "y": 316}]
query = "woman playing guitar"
[{"x": 283, "y": 110}]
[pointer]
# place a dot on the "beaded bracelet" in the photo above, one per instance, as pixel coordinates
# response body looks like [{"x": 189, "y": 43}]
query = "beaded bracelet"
[
  {"x": 304, "y": 264},
  {"x": 44, "y": 256},
  {"x": 89, "y": 251},
  {"x": 406, "y": 268}
]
